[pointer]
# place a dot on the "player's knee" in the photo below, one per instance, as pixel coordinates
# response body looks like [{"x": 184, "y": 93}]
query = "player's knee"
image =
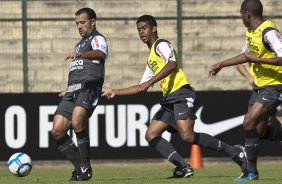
[
  {"x": 149, "y": 136},
  {"x": 57, "y": 134},
  {"x": 187, "y": 137},
  {"x": 77, "y": 126},
  {"x": 248, "y": 123}
]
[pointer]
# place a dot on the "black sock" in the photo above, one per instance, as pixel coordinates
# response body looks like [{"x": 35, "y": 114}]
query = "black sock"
[
  {"x": 252, "y": 146},
  {"x": 69, "y": 149},
  {"x": 167, "y": 151},
  {"x": 210, "y": 142},
  {"x": 273, "y": 134},
  {"x": 83, "y": 147}
]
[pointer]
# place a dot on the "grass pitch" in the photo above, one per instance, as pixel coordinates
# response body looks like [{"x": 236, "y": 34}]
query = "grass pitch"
[{"x": 142, "y": 173}]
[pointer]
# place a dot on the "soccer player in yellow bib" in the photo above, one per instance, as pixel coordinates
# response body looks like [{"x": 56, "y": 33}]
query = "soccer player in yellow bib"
[
  {"x": 177, "y": 111},
  {"x": 264, "y": 54}
]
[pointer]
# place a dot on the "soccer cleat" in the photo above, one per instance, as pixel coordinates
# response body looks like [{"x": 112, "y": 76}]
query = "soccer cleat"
[
  {"x": 241, "y": 158},
  {"x": 243, "y": 174},
  {"x": 85, "y": 173},
  {"x": 74, "y": 175},
  {"x": 249, "y": 176},
  {"x": 185, "y": 172}
]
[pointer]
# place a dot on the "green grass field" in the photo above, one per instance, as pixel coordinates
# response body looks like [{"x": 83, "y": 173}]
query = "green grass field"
[{"x": 142, "y": 173}]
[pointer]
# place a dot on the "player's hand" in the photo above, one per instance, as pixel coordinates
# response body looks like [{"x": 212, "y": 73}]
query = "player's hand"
[
  {"x": 250, "y": 56},
  {"x": 108, "y": 93},
  {"x": 73, "y": 55},
  {"x": 144, "y": 86},
  {"x": 214, "y": 69},
  {"x": 62, "y": 94}
]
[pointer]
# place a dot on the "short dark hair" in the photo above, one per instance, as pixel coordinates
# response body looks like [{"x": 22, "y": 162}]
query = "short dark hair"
[
  {"x": 90, "y": 13},
  {"x": 253, "y": 6},
  {"x": 147, "y": 18}
]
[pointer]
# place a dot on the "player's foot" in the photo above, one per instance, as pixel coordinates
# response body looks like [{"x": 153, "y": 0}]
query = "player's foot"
[
  {"x": 249, "y": 176},
  {"x": 85, "y": 173},
  {"x": 243, "y": 174},
  {"x": 241, "y": 158},
  {"x": 74, "y": 175},
  {"x": 185, "y": 172}
]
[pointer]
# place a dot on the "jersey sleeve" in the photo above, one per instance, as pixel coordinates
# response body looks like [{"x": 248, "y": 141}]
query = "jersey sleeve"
[
  {"x": 274, "y": 40},
  {"x": 99, "y": 43},
  {"x": 165, "y": 51},
  {"x": 244, "y": 49},
  {"x": 148, "y": 74}
]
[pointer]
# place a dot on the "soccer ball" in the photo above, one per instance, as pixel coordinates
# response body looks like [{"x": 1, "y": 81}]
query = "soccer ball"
[{"x": 20, "y": 164}]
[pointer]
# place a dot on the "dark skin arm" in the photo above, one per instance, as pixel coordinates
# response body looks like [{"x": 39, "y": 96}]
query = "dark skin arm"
[
  {"x": 111, "y": 93},
  {"x": 254, "y": 59},
  {"x": 168, "y": 69},
  {"x": 214, "y": 69},
  {"x": 242, "y": 58}
]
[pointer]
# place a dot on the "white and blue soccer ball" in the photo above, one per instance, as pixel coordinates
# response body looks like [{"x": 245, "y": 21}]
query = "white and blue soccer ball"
[{"x": 20, "y": 164}]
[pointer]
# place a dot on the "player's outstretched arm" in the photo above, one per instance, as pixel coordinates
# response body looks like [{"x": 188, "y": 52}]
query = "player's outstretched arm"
[
  {"x": 214, "y": 69},
  {"x": 94, "y": 54},
  {"x": 111, "y": 93},
  {"x": 72, "y": 55},
  {"x": 254, "y": 59},
  {"x": 166, "y": 70}
]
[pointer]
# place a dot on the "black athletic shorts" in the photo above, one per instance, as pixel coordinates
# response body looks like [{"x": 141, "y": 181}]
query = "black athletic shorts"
[
  {"x": 267, "y": 96},
  {"x": 86, "y": 98},
  {"x": 178, "y": 105}
]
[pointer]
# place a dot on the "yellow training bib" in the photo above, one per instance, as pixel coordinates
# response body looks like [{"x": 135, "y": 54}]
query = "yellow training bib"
[
  {"x": 263, "y": 74},
  {"x": 173, "y": 81}
]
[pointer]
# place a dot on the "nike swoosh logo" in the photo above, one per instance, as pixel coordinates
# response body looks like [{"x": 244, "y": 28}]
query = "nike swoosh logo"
[
  {"x": 265, "y": 99},
  {"x": 181, "y": 113},
  {"x": 83, "y": 169},
  {"x": 217, "y": 127}
]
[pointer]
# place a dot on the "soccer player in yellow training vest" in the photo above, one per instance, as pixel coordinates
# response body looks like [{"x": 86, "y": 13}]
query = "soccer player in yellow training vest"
[
  {"x": 177, "y": 112},
  {"x": 264, "y": 54}
]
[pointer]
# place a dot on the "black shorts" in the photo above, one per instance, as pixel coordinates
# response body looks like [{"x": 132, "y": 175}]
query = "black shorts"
[
  {"x": 86, "y": 98},
  {"x": 267, "y": 96},
  {"x": 180, "y": 107}
]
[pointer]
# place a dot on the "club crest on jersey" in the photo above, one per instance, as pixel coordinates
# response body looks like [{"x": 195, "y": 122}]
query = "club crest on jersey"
[{"x": 76, "y": 49}]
